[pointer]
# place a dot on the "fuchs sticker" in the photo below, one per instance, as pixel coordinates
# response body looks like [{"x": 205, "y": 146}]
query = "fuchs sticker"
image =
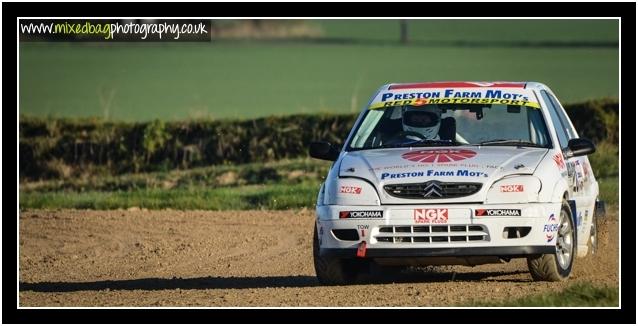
[
  {"x": 550, "y": 228},
  {"x": 512, "y": 188},
  {"x": 497, "y": 212},
  {"x": 361, "y": 214},
  {"x": 439, "y": 155},
  {"x": 560, "y": 162},
  {"x": 350, "y": 190},
  {"x": 431, "y": 215}
]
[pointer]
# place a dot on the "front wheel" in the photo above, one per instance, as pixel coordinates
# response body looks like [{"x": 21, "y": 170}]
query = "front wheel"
[
  {"x": 557, "y": 266},
  {"x": 333, "y": 270}
]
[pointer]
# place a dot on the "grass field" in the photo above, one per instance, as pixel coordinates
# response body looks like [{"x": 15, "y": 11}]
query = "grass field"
[
  {"x": 277, "y": 185},
  {"x": 233, "y": 79},
  {"x": 477, "y": 30},
  {"x": 583, "y": 294},
  {"x": 272, "y": 197},
  {"x": 263, "y": 196}
]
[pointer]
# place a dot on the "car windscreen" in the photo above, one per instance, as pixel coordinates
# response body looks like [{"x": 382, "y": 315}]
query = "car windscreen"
[{"x": 451, "y": 124}]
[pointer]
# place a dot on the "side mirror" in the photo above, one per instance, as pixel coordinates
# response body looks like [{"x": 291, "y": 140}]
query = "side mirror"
[
  {"x": 580, "y": 147},
  {"x": 323, "y": 150}
]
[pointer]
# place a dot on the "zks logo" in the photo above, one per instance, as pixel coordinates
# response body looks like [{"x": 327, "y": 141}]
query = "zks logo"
[
  {"x": 560, "y": 162},
  {"x": 433, "y": 215},
  {"x": 439, "y": 155},
  {"x": 550, "y": 228}
]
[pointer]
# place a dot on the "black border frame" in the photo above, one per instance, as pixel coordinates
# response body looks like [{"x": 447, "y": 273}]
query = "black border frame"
[{"x": 626, "y": 11}]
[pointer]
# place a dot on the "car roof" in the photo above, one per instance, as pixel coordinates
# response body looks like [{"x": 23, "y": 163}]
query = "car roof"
[{"x": 466, "y": 84}]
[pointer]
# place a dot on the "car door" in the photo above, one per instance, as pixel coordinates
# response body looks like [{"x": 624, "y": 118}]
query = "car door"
[{"x": 579, "y": 174}]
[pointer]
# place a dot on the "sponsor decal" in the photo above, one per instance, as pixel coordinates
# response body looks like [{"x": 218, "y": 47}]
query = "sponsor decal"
[
  {"x": 433, "y": 173},
  {"x": 560, "y": 162},
  {"x": 512, "y": 188},
  {"x": 350, "y": 190},
  {"x": 360, "y": 214},
  {"x": 452, "y": 96},
  {"x": 574, "y": 177},
  {"x": 439, "y": 155},
  {"x": 550, "y": 228},
  {"x": 437, "y": 165},
  {"x": 458, "y": 173},
  {"x": 497, "y": 212},
  {"x": 430, "y": 215},
  {"x": 386, "y": 175}
]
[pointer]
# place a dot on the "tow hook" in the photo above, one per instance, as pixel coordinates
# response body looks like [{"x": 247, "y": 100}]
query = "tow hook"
[{"x": 361, "y": 250}]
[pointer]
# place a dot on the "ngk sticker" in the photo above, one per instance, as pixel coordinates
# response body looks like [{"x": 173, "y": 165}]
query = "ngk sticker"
[
  {"x": 350, "y": 190},
  {"x": 431, "y": 215},
  {"x": 512, "y": 188}
]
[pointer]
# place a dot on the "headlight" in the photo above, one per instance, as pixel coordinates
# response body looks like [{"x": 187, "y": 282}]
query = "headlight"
[{"x": 514, "y": 189}]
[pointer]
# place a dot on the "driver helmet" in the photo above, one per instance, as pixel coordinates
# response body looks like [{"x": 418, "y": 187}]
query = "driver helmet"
[{"x": 426, "y": 122}]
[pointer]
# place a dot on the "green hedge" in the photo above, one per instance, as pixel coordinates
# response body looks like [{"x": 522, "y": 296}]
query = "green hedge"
[
  {"x": 54, "y": 148},
  {"x": 595, "y": 119},
  {"x": 68, "y": 147}
]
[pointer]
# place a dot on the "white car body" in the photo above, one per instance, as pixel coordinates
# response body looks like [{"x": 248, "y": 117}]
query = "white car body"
[{"x": 512, "y": 215}]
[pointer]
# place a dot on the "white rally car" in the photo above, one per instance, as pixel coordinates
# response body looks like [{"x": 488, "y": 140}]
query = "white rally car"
[{"x": 457, "y": 173}]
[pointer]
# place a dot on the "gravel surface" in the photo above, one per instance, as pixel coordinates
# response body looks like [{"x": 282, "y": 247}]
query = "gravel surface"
[{"x": 241, "y": 258}]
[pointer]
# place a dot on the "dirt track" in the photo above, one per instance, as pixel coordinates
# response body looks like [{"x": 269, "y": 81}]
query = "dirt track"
[{"x": 245, "y": 258}]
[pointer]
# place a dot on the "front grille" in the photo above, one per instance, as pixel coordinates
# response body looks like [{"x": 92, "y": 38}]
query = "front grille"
[
  {"x": 432, "y": 190},
  {"x": 432, "y": 233}
]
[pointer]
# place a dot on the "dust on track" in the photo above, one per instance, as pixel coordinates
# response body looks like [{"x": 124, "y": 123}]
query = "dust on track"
[{"x": 240, "y": 258}]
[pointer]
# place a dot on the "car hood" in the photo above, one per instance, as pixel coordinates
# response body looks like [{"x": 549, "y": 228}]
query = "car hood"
[{"x": 454, "y": 164}]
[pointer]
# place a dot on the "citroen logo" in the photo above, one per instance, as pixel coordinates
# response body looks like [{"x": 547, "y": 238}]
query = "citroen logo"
[{"x": 432, "y": 189}]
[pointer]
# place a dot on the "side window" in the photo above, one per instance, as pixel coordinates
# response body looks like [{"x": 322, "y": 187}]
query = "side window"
[
  {"x": 562, "y": 116},
  {"x": 563, "y": 138}
]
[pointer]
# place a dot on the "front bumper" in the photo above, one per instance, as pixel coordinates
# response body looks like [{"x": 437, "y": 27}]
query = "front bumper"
[
  {"x": 398, "y": 233},
  {"x": 510, "y": 252}
]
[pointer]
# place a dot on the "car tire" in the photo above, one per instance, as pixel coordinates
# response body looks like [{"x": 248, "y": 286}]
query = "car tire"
[
  {"x": 333, "y": 270},
  {"x": 557, "y": 266}
]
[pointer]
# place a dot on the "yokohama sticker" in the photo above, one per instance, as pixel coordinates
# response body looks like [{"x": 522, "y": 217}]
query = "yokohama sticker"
[
  {"x": 439, "y": 155},
  {"x": 512, "y": 188},
  {"x": 497, "y": 212},
  {"x": 350, "y": 190},
  {"x": 361, "y": 214},
  {"x": 431, "y": 215}
]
